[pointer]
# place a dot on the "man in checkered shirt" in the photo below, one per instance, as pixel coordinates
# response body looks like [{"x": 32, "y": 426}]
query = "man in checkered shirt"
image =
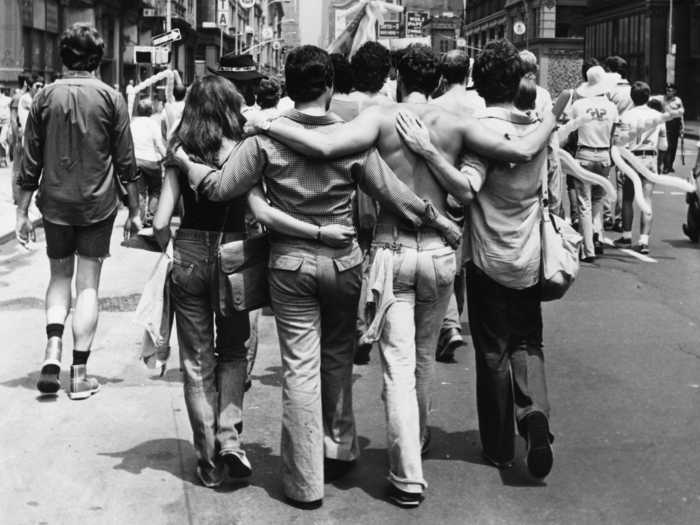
[{"x": 314, "y": 289}]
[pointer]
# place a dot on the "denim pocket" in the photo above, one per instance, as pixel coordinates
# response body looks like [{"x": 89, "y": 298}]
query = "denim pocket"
[
  {"x": 184, "y": 275},
  {"x": 445, "y": 268}
]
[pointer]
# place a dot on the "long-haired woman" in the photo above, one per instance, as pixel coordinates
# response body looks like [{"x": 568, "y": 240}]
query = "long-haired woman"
[{"x": 212, "y": 351}]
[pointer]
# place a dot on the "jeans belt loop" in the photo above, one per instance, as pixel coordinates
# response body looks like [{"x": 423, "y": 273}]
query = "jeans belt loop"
[{"x": 395, "y": 245}]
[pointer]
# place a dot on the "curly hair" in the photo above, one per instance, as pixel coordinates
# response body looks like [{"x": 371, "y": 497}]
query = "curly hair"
[
  {"x": 497, "y": 72},
  {"x": 617, "y": 64},
  {"x": 419, "y": 68},
  {"x": 268, "y": 93},
  {"x": 370, "y": 67},
  {"x": 455, "y": 66},
  {"x": 342, "y": 73},
  {"x": 308, "y": 72},
  {"x": 81, "y": 47}
]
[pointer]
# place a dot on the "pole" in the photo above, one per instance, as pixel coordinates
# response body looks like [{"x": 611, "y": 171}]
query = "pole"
[
  {"x": 221, "y": 42},
  {"x": 670, "y": 26},
  {"x": 235, "y": 26}
]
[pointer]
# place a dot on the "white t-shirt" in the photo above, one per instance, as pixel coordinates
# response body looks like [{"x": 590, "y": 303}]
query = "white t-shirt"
[
  {"x": 595, "y": 133},
  {"x": 634, "y": 123},
  {"x": 25, "y": 104},
  {"x": 148, "y": 140}
]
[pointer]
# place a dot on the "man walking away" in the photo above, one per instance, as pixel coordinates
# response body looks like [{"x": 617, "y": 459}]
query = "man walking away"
[
  {"x": 77, "y": 143},
  {"x": 674, "y": 128}
]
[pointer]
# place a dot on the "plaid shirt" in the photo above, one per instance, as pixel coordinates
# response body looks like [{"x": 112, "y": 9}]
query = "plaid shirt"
[{"x": 315, "y": 191}]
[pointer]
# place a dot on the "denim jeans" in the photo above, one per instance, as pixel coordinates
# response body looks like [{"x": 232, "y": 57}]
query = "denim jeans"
[
  {"x": 214, "y": 368},
  {"x": 314, "y": 291},
  {"x": 506, "y": 327},
  {"x": 424, "y": 271},
  {"x": 590, "y": 198}
]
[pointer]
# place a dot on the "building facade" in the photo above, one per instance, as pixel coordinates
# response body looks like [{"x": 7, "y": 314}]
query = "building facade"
[
  {"x": 638, "y": 31},
  {"x": 552, "y": 29}
]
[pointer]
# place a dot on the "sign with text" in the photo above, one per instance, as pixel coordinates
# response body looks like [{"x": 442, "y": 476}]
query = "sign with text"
[
  {"x": 171, "y": 36},
  {"x": 414, "y": 23},
  {"x": 389, "y": 29}
]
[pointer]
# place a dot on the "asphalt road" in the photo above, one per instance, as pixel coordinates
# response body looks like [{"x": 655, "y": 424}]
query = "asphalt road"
[{"x": 623, "y": 355}]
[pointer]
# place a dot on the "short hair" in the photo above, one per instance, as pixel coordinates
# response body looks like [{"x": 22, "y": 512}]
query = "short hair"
[
  {"x": 268, "y": 93},
  {"x": 342, "y": 73},
  {"x": 144, "y": 108},
  {"x": 617, "y": 64},
  {"x": 419, "y": 69},
  {"x": 370, "y": 67},
  {"x": 640, "y": 93},
  {"x": 179, "y": 92},
  {"x": 588, "y": 63},
  {"x": 529, "y": 61},
  {"x": 655, "y": 103},
  {"x": 526, "y": 95},
  {"x": 81, "y": 47},
  {"x": 454, "y": 66},
  {"x": 497, "y": 71},
  {"x": 308, "y": 72}
]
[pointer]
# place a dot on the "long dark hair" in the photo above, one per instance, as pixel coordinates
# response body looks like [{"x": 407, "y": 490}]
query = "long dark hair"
[{"x": 212, "y": 111}]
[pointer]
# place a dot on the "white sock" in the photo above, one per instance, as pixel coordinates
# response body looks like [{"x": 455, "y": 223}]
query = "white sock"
[
  {"x": 644, "y": 238},
  {"x": 627, "y": 235}
]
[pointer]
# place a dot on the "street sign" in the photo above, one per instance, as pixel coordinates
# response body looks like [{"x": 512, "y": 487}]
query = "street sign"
[
  {"x": 223, "y": 19},
  {"x": 161, "y": 55},
  {"x": 414, "y": 23},
  {"x": 171, "y": 36},
  {"x": 148, "y": 12},
  {"x": 276, "y": 45},
  {"x": 389, "y": 29},
  {"x": 519, "y": 28}
]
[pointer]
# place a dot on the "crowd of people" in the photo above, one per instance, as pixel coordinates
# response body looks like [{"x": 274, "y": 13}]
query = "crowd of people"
[{"x": 385, "y": 217}]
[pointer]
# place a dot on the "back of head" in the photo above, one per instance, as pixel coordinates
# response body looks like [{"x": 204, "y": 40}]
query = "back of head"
[
  {"x": 588, "y": 63},
  {"x": 529, "y": 61},
  {"x": 308, "y": 72},
  {"x": 616, "y": 64},
  {"x": 419, "y": 69},
  {"x": 656, "y": 105},
  {"x": 455, "y": 67},
  {"x": 179, "y": 92},
  {"x": 497, "y": 72},
  {"x": 370, "y": 67},
  {"x": 81, "y": 47},
  {"x": 212, "y": 111},
  {"x": 342, "y": 73},
  {"x": 640, "y": 93},
  {"x": 268, "y": 93},
  {"x": 526, "y": 95},
  {"x": 144, "y": 108}
]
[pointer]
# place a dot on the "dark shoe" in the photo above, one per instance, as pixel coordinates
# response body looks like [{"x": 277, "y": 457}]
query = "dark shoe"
[
  {"x": 539, "y": 446},
  {"x": 608, "y": 224},
  {"x": 211, "y": 480},
  {"x": 597, "y": 245},
  {"x": 238, "y": 465},
  {"x": 617, "y": 226},
  {"x": 590, "y": 260},
  {"x": 334, "y": 469},
  {"x": 304, "y": 505},
  {"x": 501, "y": 465},
  {"x": 623, "y": 243},
  {"x": 449, "y": 341},
  {"x": 82, "y": 386},
  {"x": 406, "y": 500},
  {"x": 49, "y": 382},
  {"x": 575, "y": 224},
  {"x": 425, "y": 446},
  {"x": 643, "y": 248},
  {"x": 362, "y": 354}
]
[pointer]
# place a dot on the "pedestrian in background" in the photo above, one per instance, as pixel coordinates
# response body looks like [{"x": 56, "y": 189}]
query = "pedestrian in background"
[
  {"x": 674, "y": 128},
  {"x": 77, "y": 144}
]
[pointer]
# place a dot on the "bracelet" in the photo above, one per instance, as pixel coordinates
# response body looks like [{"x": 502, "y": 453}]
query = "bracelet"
[{"x": 318, "y": 234}]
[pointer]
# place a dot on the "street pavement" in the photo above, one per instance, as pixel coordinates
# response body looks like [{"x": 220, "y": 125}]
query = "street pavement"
[{"x": 623, "y": 354}]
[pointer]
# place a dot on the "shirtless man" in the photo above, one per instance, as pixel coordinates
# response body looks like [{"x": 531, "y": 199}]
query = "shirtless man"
[
  {"x": 457, "y": 98},
  {"x": 426, "y": 265}
]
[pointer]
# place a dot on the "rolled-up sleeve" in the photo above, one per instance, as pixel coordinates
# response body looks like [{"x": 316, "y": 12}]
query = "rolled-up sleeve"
[
  {"x": 33, "y": 157},
  {"x": 122, "y": 144},
  {"x": 241, "y": 171},
  {"x": 474, "y": 168},
  {"x": 378, "y": 180}
]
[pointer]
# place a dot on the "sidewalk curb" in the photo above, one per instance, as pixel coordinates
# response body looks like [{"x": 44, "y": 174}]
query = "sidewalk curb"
[{"x": 8, "y": 236}]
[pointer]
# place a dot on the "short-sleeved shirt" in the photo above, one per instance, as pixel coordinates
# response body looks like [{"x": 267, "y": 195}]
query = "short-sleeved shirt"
[
  {"x": 148, "y": 140},
  {"x": 77, "y": 137},
  {"x": 595, "y": 133},
  {"x": 620, "y": 94},
  {"x": 641, "y": 138},
  {"x": 504, "y": 226}
]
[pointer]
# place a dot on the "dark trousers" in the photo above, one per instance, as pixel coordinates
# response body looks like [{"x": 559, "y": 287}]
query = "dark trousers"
[
  {"x": 506, "y": 328},
  {"x": 673, "y": 132}
]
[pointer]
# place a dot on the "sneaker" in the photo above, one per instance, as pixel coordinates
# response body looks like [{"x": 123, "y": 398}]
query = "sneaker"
[
  {"x": 237, "y": 464},
  {"x": 304, "y": 505},
  {"x": 49, "y": 382},
  {"x": 407, "y": 500},
  {"x": 643, "y": 248},
  {"x": 450, "y": 340},
  {"x": 81, "y": 386},
  {"x": 209, "y": 480},
  {"x": 623, "y": 242},
  {"x": 500, "y": 465},
  {"x": 539, "y": 446},
  {"x": 589, "y": 260},
  {"x": 597, "y": 245}
]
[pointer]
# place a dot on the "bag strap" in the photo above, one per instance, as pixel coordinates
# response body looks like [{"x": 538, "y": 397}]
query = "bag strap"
[{"x": 223, "y": 225}]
